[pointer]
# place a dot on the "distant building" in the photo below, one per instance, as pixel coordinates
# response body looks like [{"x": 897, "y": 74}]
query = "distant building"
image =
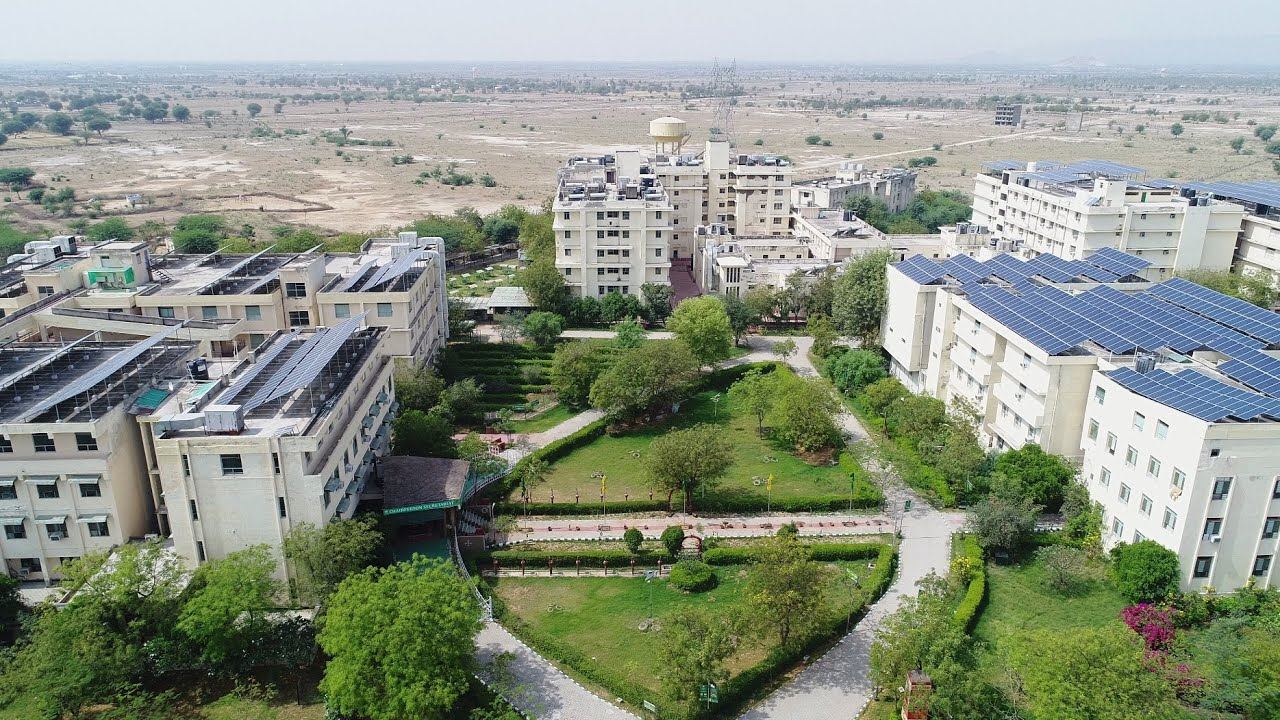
[
  {"x": 1009, "y": 114},
  {"x": 895, "y": 187}
]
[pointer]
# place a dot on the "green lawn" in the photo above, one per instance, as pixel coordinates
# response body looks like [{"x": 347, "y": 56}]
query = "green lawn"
[
  {"x": 621, "y": 458},
  {"x": 602, "y": 616},
  {"x": 227, "y": 707},
  {"x": 544, "y": 420},
  {"x": 1019, "y": 599}
]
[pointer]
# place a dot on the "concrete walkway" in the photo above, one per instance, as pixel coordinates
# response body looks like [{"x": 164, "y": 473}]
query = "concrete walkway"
[{"x": 762, "y": 525}]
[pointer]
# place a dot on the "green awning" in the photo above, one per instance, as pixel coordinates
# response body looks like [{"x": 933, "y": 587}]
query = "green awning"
[
  {"x": 423, "y": 506},
  {"x": 152, "y": 398}
]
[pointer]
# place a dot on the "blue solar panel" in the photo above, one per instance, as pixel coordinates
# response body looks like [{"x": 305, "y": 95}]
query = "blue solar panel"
[
  {"x": 1007, "y": 268},
  {"x": 1072, "y": 311},
  {"x": 1247, "y": 317},
  {"x": 964, "y": 268},
  {"x": 1197, "y": 395},
  {"x": 1052, "y": 268},
  {"x": 1092, "y": 272},
  {"x": 1017, "y": 313},
  {"x": 1120, "y": 263},
  {"x": 921, "y": 269}
]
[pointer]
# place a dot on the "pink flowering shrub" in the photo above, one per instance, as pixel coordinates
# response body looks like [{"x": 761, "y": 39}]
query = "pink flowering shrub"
[{"x": 1153, "y": 623}]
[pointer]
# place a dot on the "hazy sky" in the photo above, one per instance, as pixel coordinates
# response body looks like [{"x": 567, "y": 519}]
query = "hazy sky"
[{"x": 1173, "y": 32}]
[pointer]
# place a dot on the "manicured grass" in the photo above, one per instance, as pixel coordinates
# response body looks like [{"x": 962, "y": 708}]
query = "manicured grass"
[
  {"x": 509, "y": 374},
  {"x": 544, "y": 420},
  {"x": 881, "y": 710},
  {"x": 621, "y": 458},
  {"x": 1019, "y": 599},
  {"x": 230, "y": 707},
  {"x": 602, "y": 616}
]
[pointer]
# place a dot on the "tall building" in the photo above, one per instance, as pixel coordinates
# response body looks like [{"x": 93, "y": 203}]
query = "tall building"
[
  {"x": 1008, "y": 115},
  {"x": 1167, "y": 394},
  {"x": 1073, "y": 210},
  {"x": 287, "y": 436},
  {"x": 73, "y": 478},
  {"x": 895, "y": 187},
  {"x": 1258, "y": 247}
]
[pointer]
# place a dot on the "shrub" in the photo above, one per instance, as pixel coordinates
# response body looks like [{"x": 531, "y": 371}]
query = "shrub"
[
  {"x": 537, "y": 559},
  {"x": 1145, "y": 571},
  {"x": 820, "y": 552},
  {"x": 692, "y": 576},
  {"x": 788, "y": 530},
  {"x": 1064, "y": 567},
  {"x": 673, "y": 538},
  {"x": 969, "y": 557},
  {"x": 1153, "y": 623},
  {"x": 633, "y": 538}
]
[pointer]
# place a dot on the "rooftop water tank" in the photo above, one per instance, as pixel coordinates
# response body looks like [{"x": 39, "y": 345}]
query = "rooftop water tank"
[{"x": 668, "y": 133}]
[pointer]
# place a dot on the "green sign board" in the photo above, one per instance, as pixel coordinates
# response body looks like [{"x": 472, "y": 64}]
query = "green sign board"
[{"x": 708, "y": 693}]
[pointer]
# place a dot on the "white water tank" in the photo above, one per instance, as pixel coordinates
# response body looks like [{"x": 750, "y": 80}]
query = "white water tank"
[{"x": 668, "y": 133}]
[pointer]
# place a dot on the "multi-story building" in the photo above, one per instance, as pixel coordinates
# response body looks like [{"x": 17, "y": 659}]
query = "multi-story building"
[
  {"x": 613, "y": 225},
  {"x": 1168, "y": 394},
  {"x": 1073, "y": 210},
  {"x": 1008, "y": 115},
  {"x": 287, "y": 436},
  {"x": 895, "y": 187},
  {"x": 73, "y": 478},
  {"x": 1258, "y": 247}
]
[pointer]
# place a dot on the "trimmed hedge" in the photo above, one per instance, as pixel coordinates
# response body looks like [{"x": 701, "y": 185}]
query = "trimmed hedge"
[
  {"x": 692, "y": 576},
  {"x": 975, "y": 596},
  {"x": 823, "y": 552},
  {"x": 535, "y": 559},
  {"x": 864, "y": 497}
]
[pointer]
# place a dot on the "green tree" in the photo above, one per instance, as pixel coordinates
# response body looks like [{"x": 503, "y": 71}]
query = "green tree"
[
  {"x": 853, "y": 371},
  {"x": 696, "y": 647},
  {"x": 786, "y": 591},
  {"x": 19, "y": 177},
  {"x": 1090, "y": 674},
  {"x": 652, "y": 375},
  {"x": 824, "y": 334},
  {"x": 254, "y": 109},
  {"x": 418, "y": 388},
  {"x": 920, "y": 418},
  {"x": 223, "y": 613},
  {"x": 961, "y": 459},
  {"x": 1042, "y": 476},
  {"x": 109, "y": 229},
  {"x": 756, "y": 392},
  {"x": 152, "y": 113},
  {"x": 880, "y": 395},
  {"x": 860, "y": 297},
  {"x": 1265, "y": 132},
  {"x": 687, "y": 459},
  {"x": 784, "y": 348},
  {"x": 812, "y": 139},
  {"x": 542, "y": 327},
  {"x": 1003, "y": 521},
  {"x": 58, "y": 123},
  {"x": 462, "y": 398},
  {"x": 1064, "y": 567},
  {"x": 401, "y": 641},
  {"x": 322, "y": 557},
  {"x": 672, "y": 539},
  {"x": 1241, "y": 659},
  {"x": 199, "y": 233},
  {"x": 1145, "y": 571},
  {"x": 1256, "y": 288},
  {"x": 500, "y": 230},
  {"x": 181, "y": 113},
  {"x": 633, "y": 539},
  {"x": 1083, "y": 516},
  {"x": 537, "y": 238},
  {"x": 575, "y": 366},
  {"x": 628, "y": 334},
  {"x": 1273, "y": 147},
  {"x": 98, "y": 125},
  {"x": 805, "y": 414},
  {"x": 73, "y": 661},
  {"x": 762, "y": 303},
  {"x": 740, "y": 315},
  {"x": 1237, "y": 144},
  {"x": 657, "y": 301},
  {"x": 426, "y": 434},
  {"x": 1175, "y": 129},
  {"x": 921, "y": 633},
  {"x": 544, "y": 285},
  {"x": 703, "y": 326}
]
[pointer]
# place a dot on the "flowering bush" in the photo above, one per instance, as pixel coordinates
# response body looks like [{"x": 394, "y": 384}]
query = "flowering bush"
[{"x": 1153, "y": 622}]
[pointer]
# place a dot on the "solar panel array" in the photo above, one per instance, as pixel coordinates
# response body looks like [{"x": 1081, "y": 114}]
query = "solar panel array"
[
  {"x": 1107, "y": 265},
  {"x": 1118, "y": 262},
  {"x": 1250, "y": 318},
  {"x": 921, "y": 269},
  {"x": 965, "y": 269},
  {"x": 306, "y": 363},
  {"x": 99, "y": 374},
  {"x": 1198, "y": 395},
  {"x": 1259, "y": 192}
]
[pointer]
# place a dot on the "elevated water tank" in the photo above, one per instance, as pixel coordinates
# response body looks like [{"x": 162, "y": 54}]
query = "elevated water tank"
[{"x": 668, "y": 134}]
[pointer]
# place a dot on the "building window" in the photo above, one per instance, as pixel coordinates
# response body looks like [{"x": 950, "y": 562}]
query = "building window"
[
  {"x": 47, "y": 492},
  {"x": 1145, "y": 505},
  {"x": 1275, "y": 491},
  {"x": 199, "y": 551},
  {"x": 1124, "y": 492},
  {"x": 1100, "y": 394},
  {"x": 209, "y": 312},
  {"x": 1111, "y": 443},
  {"x": 1104, "y": 477},
  {"x": 165, "y": 312},
  {"x": 186, "y": 466},
  {"x": 1271, "y": 528},
  {"x": 275, "y": 463},
  {"x": 8, "y": 491},
  {"x": 15, "y": 532},
  {"x": 232, "y": 464},
  {"x": 1162, "y": 429},
  {"x": 657, "y": 252},
  {"x": 295, "y": 290},
  {"x": 1139, "y": 421},
  {"x": 56, "y": 530},
  {"x": 90, "y": 489},
  {"x": 6, "y": 445},
  {"x": 1153, "y": 467},
  {"x": 1117, "y": 527},
  {"x": 1212, "y": 528},
  {"x": 98, "y": 529},
  {"x": 31, "y": 565},
  {"x": 1179, "y": 478},
  {"x": 85, "y": 442},
  {"x": 1261, "y": 565},
  {"x": 1138, "y": 536},
  {"x": 342, "y": 310},
  {"x": 567, "y": 251},
  {"x": 384, "y": 310},
  {"x": 1093, "y": 429},
  {"x": 1215, "y": 452},
  {"x": 1221, "y": 488},
  {"x": 252, "y": 312},
  {"x": 1131, "y": 456},
  {"x": 1203, "y": 565},
  {"x": 280, "y": 507},
  {"x": 299, "y": 318},
  {"x": 1170, "y": 519},
  {"x": 195, "y": 512},
  {"x": 43, "y": 442}
]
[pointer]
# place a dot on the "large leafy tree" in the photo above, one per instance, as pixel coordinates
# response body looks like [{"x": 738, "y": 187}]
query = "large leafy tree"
[
  {"x": 544, "y": 285},
  {"x": 703, "y": 326},
  {"x": 1043, "y": 477},
  {"x": 324, "y": 557},
  {"x": 109, "y": 229},
  {"x": 786, "y": 591},
  {"x": 224, "y": 610},
  {"x": 645, "y": 378},
  {"x": 401, "y": 641},
  {"x": 695, "y": 648},
  {"x": 1145, "y": 571},
  {"x": 199, "y": 233},
  {"x": 1003, "y": 520},
  {"x": 574, "y": 368},
  {"x": 1090, "y": 674},
  {"x": 1256, "y": 288},
  {"x": 860, "y": 297},
  {"x": 684, "y": 460},
  {"x": 806, "y": 414},
  {"x": 426, "y": 434},
  {"x": 921, "y": 633},
  {"x": 657, "y": 300},
  {"x": 419, "y": 388},
  {"x": 740, "y": 315},
  {"x": 757, "y": 392},
  {"x": 854, "y": 370},
  {"x": 542, "y": 327},
  {"x": 824, "y": 334}
]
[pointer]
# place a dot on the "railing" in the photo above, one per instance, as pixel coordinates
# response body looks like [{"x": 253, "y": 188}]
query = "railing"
[{"x": 486, "y": 604}]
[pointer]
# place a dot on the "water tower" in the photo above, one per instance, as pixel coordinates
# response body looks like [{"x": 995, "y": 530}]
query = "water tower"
[{"x": 669, "y": 135}]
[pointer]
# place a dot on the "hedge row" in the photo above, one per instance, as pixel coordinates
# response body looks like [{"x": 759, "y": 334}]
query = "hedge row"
[
  {"x": 975, "y": 596},
  {"x": 590, "y": 558},
  {"x": 863, "y": 497},
  {"x": 515, "y": 507},
  {"x": 824, "y": 552}
]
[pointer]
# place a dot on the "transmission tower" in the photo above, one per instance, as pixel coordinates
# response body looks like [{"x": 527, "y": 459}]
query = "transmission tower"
[{"x": 724, "y": 79}]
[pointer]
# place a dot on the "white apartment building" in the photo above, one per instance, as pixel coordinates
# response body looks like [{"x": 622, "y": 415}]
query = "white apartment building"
[
  {"x": 1075, "y": 209},
  {"x": 287, "y": 436},
  {"x": 895, "y": 187},
  {"x": 1168, "y": 394},
  {"x": 73, "y": 479},
  {"x": 1258, "y": 247},
  {"x": 613, "y": 225}
]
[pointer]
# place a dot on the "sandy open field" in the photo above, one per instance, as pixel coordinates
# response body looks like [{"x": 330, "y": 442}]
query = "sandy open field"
[{"x": 294, "y": 175}]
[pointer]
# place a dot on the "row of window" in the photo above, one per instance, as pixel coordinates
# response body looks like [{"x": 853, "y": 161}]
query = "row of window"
[
  {"x": 47, "y": 486},
  {"x": 343, "y": 310},
  {"x": 1204, "y": 566},
  {"x": 55, "y": 530},
  {"x": 297, "y": 318},
  {"x": 44, "y": 443}
]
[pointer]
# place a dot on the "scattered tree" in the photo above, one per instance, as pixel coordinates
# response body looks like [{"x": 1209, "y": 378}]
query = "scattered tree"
[
  {"x": 58, "y": 123},
  {"x": 224, "y": 612},
  {"x": 657, "y": 301},
  {"x": 853, "y": 371},
  {"x": 181, "y": 113},
  {"x": 544, "y": 285},
  {"x": 628, "y": 334},
  {"x": 757, "y": 391},
  {"x": 1237, "y": 144},
  {"x": 672, "y": 539},
  {"x": 649, "y": 377},
  {"x": 1003, "y": 521},
  {"x": 786, "y": 591},
  {"x": 254, "y": 109},
  {"x": 109, "y": 229},
  {"x": 860, "y": 298},
  {"x": 1175, "y": 129},
  {"x": 426, "y": 434},
  {"x": 824, "y": 334},
  {"x": 1043, "y": 477},
  {"x": 684, "y": 460},
  {"x": 1064, "y": 567},
  {"x": 324, "y": 557},
  {"x": 806, "y": 412},
  {"x": 542, "y": 327},
  {"x": 1145, "y": 571},
  {"x": 696, "y": 645},
  {"x": 574, "y": 368},
  {"x": 633, "y": 539},
  {"x": 784, "y": 348},
  {"x": 703, "y": 326}
]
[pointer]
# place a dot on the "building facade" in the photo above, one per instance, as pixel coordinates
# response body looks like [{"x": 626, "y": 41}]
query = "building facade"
[{"x": 895, "y": 187}]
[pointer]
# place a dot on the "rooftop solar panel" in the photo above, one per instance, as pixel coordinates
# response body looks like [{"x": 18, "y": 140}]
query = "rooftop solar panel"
[
  {"x": 1247, "y": 317},
  {"x": 1052, "y": 268},
  {"x": 1118, "y": 262},
  {"x": 964, "y": 268},
  {"x": 1007, "y": 268},
  {"x": 1003, "y": 165},
  {"x": 1092, "y": 272},
  {"x": 1197, "y": 395},
  {"x": 921, "y": 269}
]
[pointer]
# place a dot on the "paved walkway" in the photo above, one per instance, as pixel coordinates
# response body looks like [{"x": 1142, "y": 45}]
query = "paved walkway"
[{"x": 762, "y": 525}]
